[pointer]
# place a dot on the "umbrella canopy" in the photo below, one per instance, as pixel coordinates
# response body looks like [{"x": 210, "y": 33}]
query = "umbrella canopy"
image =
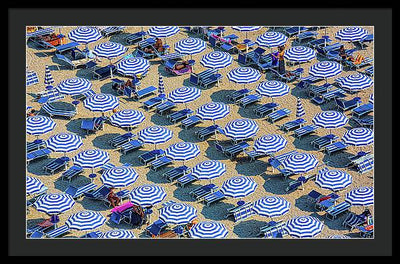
[
  {"x": 330, "y": 119},
  {"x": 182, "y": 151},
  {"x": 84, "y": 35},
  {"x": 325, "y": 69},
  {"x": 184, "y": 94},
  {"x": 64, "y": 142},
  {"x": 208, "y": 229},
  {"x": 300, "y": 163},
  {"x": 338, "y": 237},
  {"x": 37, "y": 125},
  {"x": 351, "y": 34},
  {"x": 85, "y": 220},
  {"x": 56, "y": 203},
  {"x": 299, "y": 54},
  {"x": 133, "y": 66},
  {"x": 355, "y": 82},
  {"x": 239, "y": 186},
  {"x": 119, "y": 177},
  {"x": 147, "y": 195},
  {"x": 359, "y": 136},
  {"x": 178, "y": 213},
  {"x": 127, "y": 118},
  {"x": 163, "y": 31},
  {"x": 271, "y": 39},
  {"x": 213, "y": 111},
  {"x": 155, "y": 134},
  {"x": 244, "y": 75},
  {"x": 271, "y": 206},
  {"x": 48, "y": 78},
  {"x": 74, "y": 86},
  {"x": 334, "y": 180},
  {"x": 241, "y": 128},
  {"x": 190, "y": 46},
  {"x": 273, "y": 89},
  {"x": 299, "y": 108},
  {"x": 33, "y": 185},
  {"x": 216, "y": 60},
  {"x": 208, "y": 169},
  {"x": 304, "y": 226},
  {"x": 246, "y": 28},
  {"x": 101, "y": 102},
  {"x": 109, "y": 50},
  {"x": 270, "y": 143},
  {"x": 371, "y": 98},
  {"x": 119, "y": 233},
  {"x": 361, "y": 196},
  {"x": 91, "y": 158}
]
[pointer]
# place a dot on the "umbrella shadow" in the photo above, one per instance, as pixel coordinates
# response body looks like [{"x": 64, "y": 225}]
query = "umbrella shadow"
[
  {"x": 132, "y": 158},
  {"x": 216, "y": 211},
  {"x": 156, "y": 176},
  {"x": 92, "y": 205},
  {"x": 304, "y": 143},
  {"x": 163, "y": 72},
  {"x": 182, "y": 193},
  {"x": 337, "y": 160},
  {"x": 106, "y": 89},
  {"x": 298, "y": 92},
  {"x": 74, "y": 126},
  {"x": 101, "y": 142},
  {"x": 212, "y": 153},
  {"x": 251, "y": 168},
  {"x": 275, "y": 184},
  {"x": 248, "y": 229},
  {"x": 84, "y": 73},
  {"x": 220, "y": 96},
  {"x": 188, "y": 135},
  {"x": 119, "y": 38},
  {"x": 160, "y": 120},
  {"x": 335, "y": 224},
  {"x": 248, "y": 112},
  {"x": 36, "y": 167},
  {"x": 304, "y": 204}
]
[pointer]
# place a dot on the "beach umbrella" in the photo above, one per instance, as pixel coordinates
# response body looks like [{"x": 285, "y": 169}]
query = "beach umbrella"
[
  {"x": 299, "y": 54},
  {"x": 147, "y": 195},
  {"x": 178, "y": 213},
  {"x": 338, "y": 237},
  {"x": 208, "y": 229},
  {"x": 133, "y": 66},
  {"x": 48, "y": 78},
  {"x": 33, "y": 185},
  {"x": 190, "y": 46},
  {"x": 37, "y": 125},
  {"x": 359, "y": 136},
  {"x": 270, "y": 143},
  {"x": 209, "y": 169},
  {"x": 300, "y": 163},
  {"x": 299, "y": 108},
  {"x": 74, "y": 86},
  {"x": 184, "y": 95},
  {"x": 64, "y": 142},
  {"x": 182, "y": 151},
  {"x": 244, "y": 75},
  {"x": 330, "y": 119},
  {"x": 101, "y": 102},
  {"x": 238, "y": 187},
  {"x": 216, "y": 60},
  {"x": 127, "y": 118},
  {"x": 351, "y": 34},
  {"x": 213, "y": 111},
  {"x": 325, "y": 69},
  {"x": 155, "y": 135},
  {"x": 271, "y": 206},
  {"x": 371, "y": 98},
  {"x": 84, "y": 35},
  {"x": 109, "y": 50},
  {"x": 119, "y": 177},
  {"x": 85, "y": 220},
  {"x": 334, "y": 180},
  {"x": 271, "y": 39},
  {"x": 272, "y": 89},
  {"x": 355, "y": 82},
  {"x": 119, "y": 233},
  {"x": 241, "y": 129},
  {"x": 246, "y": 28},
  {"x": 161, "y": 88},
  {"x": 91, "y": 158},
  {"x": 55, "y": 203},
  {"x": 304, "y": 226},
  {"x": 163, "y": 31},
  {"x": 361, "y": 196}
]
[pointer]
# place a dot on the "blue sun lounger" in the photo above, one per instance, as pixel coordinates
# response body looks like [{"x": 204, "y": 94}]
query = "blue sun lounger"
[
  {"x": 369, "y": 71},
  {"x": 213, "y": 79},
  {"x": 292, "y": 31},
  {"x": 144, "y": 92},
  {"x": 236, "y": 95},
  {"x": 363, "y": 110},
  {"x": 52, "y": 110},
  {"x": 344, "y": 105},
  {"x": 326, "y": 201},
  {"x": 35, "y": 145},
  {"x": 307, "y": 35},
  {"x": 190, "y": 121},
  {"x": 104, "y": 72},
  {"x": 319, "y": 89},
  {"x": 272, "y": 229},
  {"x": 94, "y": 234},
  {"x": 92, "y": 125},
  {"x": 135, "y": 37},
  {"x": 152, "y": 102},
  {"x": 121, "y": 139},
  {"x": 318, "y": 43},
  {"x": 299, "y": 182},
  {"x": 31, "y": 78},
  {"x": 236, "y": 149},
  {"x": 37, "y": 154},
  {"x": 98, "y": 194},
  {"x": 77, "y": 192},
  {"x": 179, "y": 115},
  {"x": 278, "y": 114},
  {"x": 131, "y": 145},
  {"x": 249, "y": 99},
  {"x": 54, "y": 165},
  {"x": 367, "y": 61},
  {"x": 293, "y": 75},
  {"x": 71, "y": 172},
  {"x": 159, "y": 163},
  {"x": 165, "y": 107},
  {"x": 156, "y": 228},
  {"x": 207, "y": 131},
  {"x": 366, "y": 121},
  {"x": 253, "y": 154},
  {"x": 202, "y": 191},
  {"x": 240, "y": 212},
  {"x": 305, "y": 130},
  {"x": 149, "y": 156},
  {"x": 336, "y": 210},
  {"x": 49, "y": 96},
  {"x": 112, "y": 30},
  {"x": 213, "y": 197},
  {"x": 186, "y": 179},
  {"x": 58, "y": 232},
  {"x": 353, "y": 220},
  {"x": 294, "y": 124},
  {"x": 276, "y": 163},
  {"x": 175, "y": 173},
  {"x": 359, "y": 157},
  {"x": 329, "y": 95},
  {"x": 323, "y": 141},
  {"x": 306, "y": 83},
  {"x": 264, "y": 109},
  {"x": 40, "y": 227},
  {"x": 197, "y": 79},
  {"x": 335, "y": 147}
]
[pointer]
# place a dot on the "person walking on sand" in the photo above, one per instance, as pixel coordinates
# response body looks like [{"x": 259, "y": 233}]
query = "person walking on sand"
[{"x": 281, "y": 59}]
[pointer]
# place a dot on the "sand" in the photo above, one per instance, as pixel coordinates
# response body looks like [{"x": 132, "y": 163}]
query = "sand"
[{"x": 269, "y": 183}]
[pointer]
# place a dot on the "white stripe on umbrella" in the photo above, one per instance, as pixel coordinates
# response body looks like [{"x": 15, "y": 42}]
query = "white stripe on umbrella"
[
  {"x": 361, "y": 196},
  {"x": 48, "y": 78},
  {"x": 127, "y": 118},
  {"x": 238, "y": 187},
  {"x": 147, "y": 195},
  {"x": 304, "y": 226},
  {"x": 85, "y": 220},
  {"x": 182, "y": 151},
  {"x": 178, "y": 213},
  {"x": 101, "y": 102},
  {"x": 119, "y": 177},
  {"x": 55, "y": 203},
  {"x": 271, "y": 206},
  {"x": 334, "y": 180},
  {"x": 351, "y": 34},
  {"x": 74, "y": 86},
  {"x": 37, "y": 125},
  {"x": 330, "y": 119},
  {"x": 33, "y": 185},
  {"x": 270, "y": 143},
  {"x": 359, "y": 136},
  {"x": 299, "y": 108},
  {"x": 208, "y": 229},
  {"x": 213, "y": 111},
  {"x": 64, "y": 142}
]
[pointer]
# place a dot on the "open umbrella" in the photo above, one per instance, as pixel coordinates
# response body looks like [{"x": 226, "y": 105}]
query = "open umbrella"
[
  {"x": 300, "y": 162},
  {"x": 127, "y": 118},
  {"x": 241, "y": 129},
  {"x": 271, "y": 39},
  {"x": 271, "y": 206},
  {"x": 270, "y": 143},
  {"x": 216, "y": 60},
  {"x": 334, "y": 180},
  {"x": 133, "y": 66},
  {"x": 361, "y": 196},
  {"x": 55, "y": 203},
  {"x": 37, "y": 125},
  {"x": 155, "y": 135},
  {"x": 74, "y": 86},
  {"x": 351, "y": 34},
  {"x": 325, "y": 69},
  {"x": 147, "y": 195},
  {"x": 190, "y": 46},
  {"x": 91, "y": 158},
  {"x": 163, "y": 31},
  {"x": 119, "y": 233},
  {"x": 330, "y": 119},
  {"x": 355, "y": 82},
  {"x": 184, "y": 95},
  {"x": 101, "y": 102},
  {"x": 244, "y": 75},
  {"x": 34, "y": 185},
  {"x": 64, "y": 142},
  {"x": 299, "y": 54},
  {"x": 213, "y": 111},
  {"x": 182, "y": 151},
  {"x": 238, "y": 187},
  {"x": 209, "y": 169},
  {"x": 208, "y": 229},
  {"x": 85, "y": 220},
  {"x": 359, "y": 136},
  {"x": 84, "y": 35},
  {"x": 119, "y": 177},
  {"x": 178, "y": 213},
  {"x": 272, "y": 89},
  {"x": 304, "y": 226},
  {"x": 246, "y": 28}
]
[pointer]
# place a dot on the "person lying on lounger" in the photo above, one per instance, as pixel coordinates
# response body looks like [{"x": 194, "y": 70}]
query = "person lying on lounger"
[
  {"x": 342, "y": 53},
  {"x": 31, "y": 113},
  {"x": 181, "y": 65},
  {"x": 113, "y": 199}
]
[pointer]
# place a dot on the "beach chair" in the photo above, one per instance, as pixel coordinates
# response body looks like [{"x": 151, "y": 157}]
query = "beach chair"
[
  {"x": 77, "y": 192},
  {"x": 324, "y": 50},
  {"x": 289, "y": 76},
  {"x": 93, "y": 234},
  {"x": 54, "y": 165},
  {"x": 84, "y": 95},
  {"x": 365, "y": 62},
  {"x": 186, "y": 179},
  {"x": 236, "y": 95},
  {"x": 131, "y": 145},
  {"x": 299, "y": 182},
  {"x": 92, "y": 125},
  {"x": 155, "y": 228},
  {"x": 179, "y": 115},
  {"x": 213, "y": 197},
  {"x": 271, "y": 229},
  {"x": 210, "y": 80},
  {"x": 170, "y": 67},
  {"x": 276, "y": 164},
  {"x": 52, "y": 110},
  {"x": 306, "y": 83},
  {"x": 353, "y": 220},
  {"x": 319, "y": 89},
  {"x": 58, "y": 232},
  {"x": 49, "y": 96},
  {"x": 152, "y": 102},
  {"x": 202, "y": 191},
  {"x": 366, "y": 121},
  {"x": 236, "y": 149},
  {"x": 135, "y": 37},
  {"x": 329, "y": 95},
  {"x": 323, "y": 141},
  {"x": 31, "y": 78},
  {"x": 149, "y": 156},
  {"x": 366, "y": 231},
  {"x": 362, "y": 110},
  {"x": 344, "y": 105},
  {"x": 369, "y": 71},
  {"x": 253, "y": 154},
  {"x": 249, "y": 99},
  {"x": 318, "y": 43},
  {"x": 190, "y": 121},
  {"x": 112, "y": 30},
  {"x": 207, "y": 131},
  {"x": 292, "y": 31},
  {"x": 138, "y": 94},
  {"x": 165, "y": 107},
  {"x": 278, "y": 114},
  {"x": 99, "y": 194},
  {"x": 305, "y": 130},
  {"x": 294, "y": 124},
  {"x": 361, "y": 156},
  {"x": 336, "y": 210},
  {"x": 276, "y": 232},
  {"x": 326, "y": 201},
  {"x": 265, "y": 109},
  {"x": 335, "y": 147},
  {"x": 365, "y": 165},
  {"x": 175, "y": 173},
  {"x": 37, "y": 154},
  {"x": 314, "y": 196},
  {"x": 71, "y": 172},
  {"x": 159, "y": 163},
  {"x": 306, "y": 36},
  {"x": 121, "y": 139},
  {"x": 35, "y": 145},
  {"x": 104, "y": 72},
  {"x": 240, "y": 212},
  {"x": 40, "y": 227},
  {"x": 79, "y": 63}
]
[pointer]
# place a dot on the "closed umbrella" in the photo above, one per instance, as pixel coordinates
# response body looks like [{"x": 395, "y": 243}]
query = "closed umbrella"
[
  {"x": 299, "y": 108},
  {"x": 48, "y": 78}
]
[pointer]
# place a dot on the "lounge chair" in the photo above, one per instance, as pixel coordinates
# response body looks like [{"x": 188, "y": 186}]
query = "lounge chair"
[
  {"x": 240, "y": 212},
  {"x": 58, "y": 232},
  {"x": 152, "y": 102},
  {"x": 369, "y": 71},
  {"x": 77, "y": 192},
  {"x": 207, "y": 131},
  {"x": 159, "y": 163},
  {"x": 343, "y": 105},
  {"x": 84, "y": 63},
  {"x": 202, "y": 191},
  {"x": 175, "y": 173},
  {"x": 278, "y": 114},
  {"x": 71, "y": 172},
  {"x": 213, "y": 79},
  {"x": 367, "y": 39},
  {"x": 249, "y": 99},
  {"x": 306, "y": 82},
  {"x": 270, "y": 228},
  {"x": 314, "y": 196},
  {"x": 196, "y": 79},
  {"x": 365, "y": 165},
  {"x": 335, "y": 147},
  {"x": 289, "y": 76},
  {"x": 299, "y": 182},
  {"x": 324, "y": 50},
  {"x": 236, "y": 95},
  {"x": 265, "y": 109},
  {"x": 179, "y": 115},
  {"x": 294, "y": 124},
  {"x": 190, "y": 121},
  {"x": 84, "y": 95},
  {"x": 365, "y": 62},
  {"x": 165, "y": 107},
  {"x": 319, "y": 89},
  {"x": 49, "y": 96},
  {"x": 186, "y": 179},
  {"x": 323, "y": 141},
  {"x": 54, "y": 165},
  {"x": 353, "y": 220},
  {"x": 236, "y": 149},
  {"x": 111, "y": 30},
  {"x": 149, "y": 156},
  {"x": 155, "y": 228},
  {"x": 336, "y": 210},
  {"x": 325, "y": 97},
  {"x": 100, "y": 193},
  {"x": 104, "y": 72},
  {"x": 37, "y": 154},
  {"x": 366, "y": 231},
  {"x": 93, "y": 234},
  {"x": 292, "y": 31},
  {"x": 276, "y": 163},
  {"x": 361, "y": 156},
  {"x": 144, "y": 92},
  {"x": 52, "y": 110},
  {"x": 131, "y": 145},
  {"x": 326, "y": 201},
  {"x": 253, "y": 154},
  {"x": 31, "y": 78},
  {"x": 307, "y": 35},
  {"x": 40, "y": 227},
  {"x": 35, "y": 145},
  {"x": 305, "y": 130},
  {"x": 92, "y": 125},
  {"x": 121, "y": 139},
  {"x": 135, "y": 37},
  {"x": 213, "y": 197},
  {"x": 362, "y": 110},
  {"x": 170, "y": 66},
  {"x": 318, "y": 43}
]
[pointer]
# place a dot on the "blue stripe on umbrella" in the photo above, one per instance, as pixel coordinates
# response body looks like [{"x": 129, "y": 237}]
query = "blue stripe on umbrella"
[
  {"x": 101, "y": 102},
  {"x": 330, "y": 119},
  {"x": 54, "y": 203},
  {"x": 304, "y": 226},
  {"x": 155, "y": 134},
  {"x": 239, "y": 186},
  {"x": 351, "y": 34},
  {"x": 244, "y": 75},
  {"x": 91, "y": 158},
  {"x": 208, "y": 169},
  {"x": 271, "y": 39},
  {"x": 213, "y": 111},
  {"x": 371, "y": 98},
  {"x": 133, "y": 66},
  {"x": 119, "y": 177},
  {"x": 33, "y": 185},
  {"x": 184, "y": 94},
  {"x": 361, "y": 196},
  {"x": 338, "y": 237},
  {"x": 325, "y": 69},
  {"x": 64, "y": 142},
  {"x": 299, "y": 108},
  {"x": 163, "y": 31},
  {"x": 271, "y": 206},
  {"x": 334, "y": 180},
  {"x": 272, "y": 88},
  {"x": 300, "y": 163},
  {"x": 178, "y": 213},
  {"x": 147, "y": 195},
  {"x": 84, "y": 35},
  {"x": 74, "y": 86},
  {"x": 270, "y": 143},
  {"x": 241, "y": 129},
  {"x": 299, "y": 54},
  {"x": 359, "y": 136},
  {"x": 37, "y": 125},
  {"x": 127, "y": 118},
  {"x": 109, "y": 50},
  {"x": 216, "y": 60},
  {"x": 48, "y": 78},
  {"x": 190, "y": 46},
  {"x": 85, "y": 220},
  {"x": 246, "y": 28},
  {"x": 208, "y": 229},
  {"x": 182, "y": 151},
  {"x": 119, "y": 233},
  {"x": 355, "y": 82}
]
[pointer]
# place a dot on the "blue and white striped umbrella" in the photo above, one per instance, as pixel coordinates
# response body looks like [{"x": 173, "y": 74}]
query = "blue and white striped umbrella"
[
  {"x": 182, "y": 151},
  {"x": 208, "y": 169},
  {"x": 101, "y": 102},
  {"x": 246, "y": 28},
  {"x": 64, "y": 142},
  {"x": 33, "y": 185},
  {"x": 371, "y": 98},
  {"x": 109, "y": 50},
  {"x": 271, "y": 206},
  {"x": 299, "y": 108},
  {"x": 238, "y": 186},
  {"x": 273, "y": 89},
  {"x": 133, "y": 66},
  {"x": 299, "y": 54},
  {"x": 355, "y": 82},
  {"x": 85, "y": 220},
  {"x": 91, "y": 158},
  {"x": 127, "y": 118},
  {"x": 55, "y": 203},
  {"x": 119, "y": 233},
  {"x": 190, "y": 46},
  {"x": 244, "y": 75},
  {"x": 216, "y": 60},
  {"x": 155, "y": 134},
  {"x": 359, "y": 136},
  {"x": 74, "y": 86},
  {"x": 338, "y": 237},
  {"x": 37, "y": 125},
  {"x": 213, "y": 111},
  {"x": 119, "y": 177},
  {"x": 300, "y": 163},
  {"x": 84, "y": 35},
  {"x": 163, "y": 31},
  {"x": 241, "y": 128},
  {"x": 304, "y": 226},
  {"x": 184, "y": 94},
  {"x": 363, "y": 196},
  {"x": 270, "y": 143},
  {"x": 330, "y": 119},
  {"x": 351, "y": 34},
  {"x": 147, "y": 195},
  {"x": 271, "y": 39},
  {"x": 161, "y": 89},
  {"x": 208, "y": 229},
  {"x": 48, "y": 78},
  {"x": 334, "y": 180},
  {"x": 178, "y": 213},
  {"x": 325, "y": 69}
]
